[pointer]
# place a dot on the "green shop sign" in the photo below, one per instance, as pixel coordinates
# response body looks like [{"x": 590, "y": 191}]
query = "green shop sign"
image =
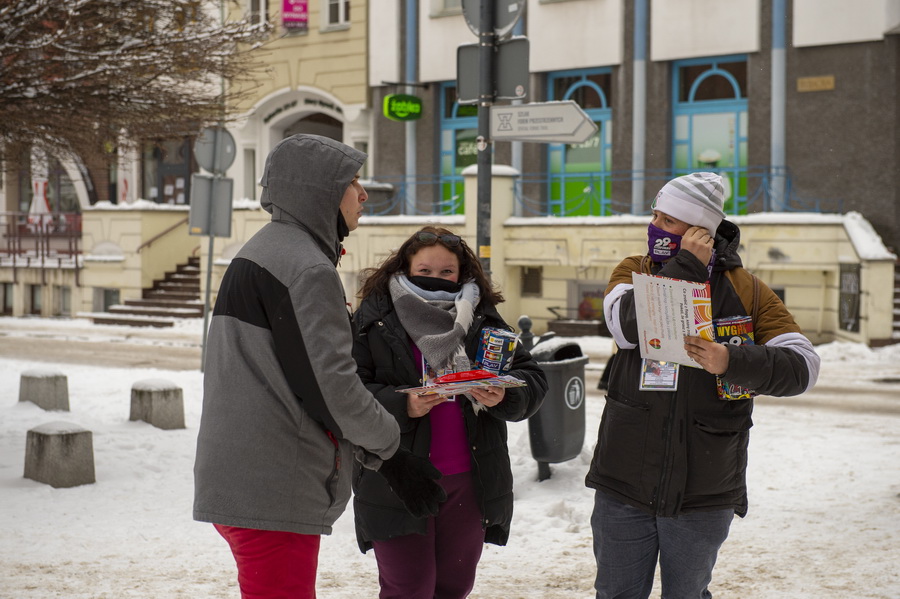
[{"x": 402, "y": 107}]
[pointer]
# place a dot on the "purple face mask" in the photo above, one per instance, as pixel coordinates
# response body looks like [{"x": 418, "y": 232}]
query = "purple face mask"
[{"x": 662, "y": 245}]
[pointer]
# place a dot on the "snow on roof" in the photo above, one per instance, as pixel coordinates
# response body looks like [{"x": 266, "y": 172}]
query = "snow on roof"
[
  {"x": 414, "y": 219},
  {"x": 138, "y": 205},
  {"x": 866, "y": 241}
]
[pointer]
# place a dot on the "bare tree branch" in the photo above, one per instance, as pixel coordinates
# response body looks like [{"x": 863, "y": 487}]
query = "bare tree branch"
[{"x": 80, "y": 72}]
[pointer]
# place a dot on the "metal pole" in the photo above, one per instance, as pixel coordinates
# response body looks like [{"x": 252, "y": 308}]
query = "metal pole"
[
  {"x": 516, "y": 157},
  {"x": 486, "y": 40},
  {"x": 412, "y": 26},
  {"x": 779, "y": 69},
  {"x": 209, "y": 257},
  {"x": 639, "y": 106}
]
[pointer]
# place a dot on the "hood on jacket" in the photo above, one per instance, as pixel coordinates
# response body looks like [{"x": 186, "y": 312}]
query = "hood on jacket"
[
  {"x": 728, "y": 241},
  {"x": 303, "y": 183}
]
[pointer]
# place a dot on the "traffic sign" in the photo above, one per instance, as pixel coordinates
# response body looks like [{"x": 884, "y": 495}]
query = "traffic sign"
[
  {"x": 215, "y": 149},
  {"x": 549, "y": 122},
  {"x": 210, "y": 206},
  {"x": 510, "y": 81},
  {"x": 506, "y": 14}
]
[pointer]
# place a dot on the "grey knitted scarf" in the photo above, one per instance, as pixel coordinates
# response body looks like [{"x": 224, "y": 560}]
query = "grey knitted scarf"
[{"x": 436, "y": 321}]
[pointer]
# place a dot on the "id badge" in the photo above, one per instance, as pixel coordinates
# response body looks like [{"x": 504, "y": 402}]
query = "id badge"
[{"x": 658, "y": 376}]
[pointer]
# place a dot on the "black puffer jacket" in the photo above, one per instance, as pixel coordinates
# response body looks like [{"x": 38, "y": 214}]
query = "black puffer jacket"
[
  {"x": 385, "y": 362},
  {"x": 671, "y": 452}
]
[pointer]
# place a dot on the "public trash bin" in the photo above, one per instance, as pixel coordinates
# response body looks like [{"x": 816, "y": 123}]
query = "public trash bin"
[{"x": 556, "y": 431}]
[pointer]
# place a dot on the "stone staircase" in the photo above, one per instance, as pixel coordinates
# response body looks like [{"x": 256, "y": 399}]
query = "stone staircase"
[{"x": 175, "y": 296}]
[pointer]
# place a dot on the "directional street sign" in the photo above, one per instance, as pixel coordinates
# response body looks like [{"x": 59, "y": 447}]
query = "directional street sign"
[{"x": 548, "y": 122}]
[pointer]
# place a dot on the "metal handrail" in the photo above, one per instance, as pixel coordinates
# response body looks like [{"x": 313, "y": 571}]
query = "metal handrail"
[
  {"x": 41, "y": 241},
  {"x": 156, "y": 237}
]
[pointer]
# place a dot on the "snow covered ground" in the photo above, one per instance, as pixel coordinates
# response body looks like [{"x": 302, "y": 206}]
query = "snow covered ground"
[{"x": 824, "y": 518}]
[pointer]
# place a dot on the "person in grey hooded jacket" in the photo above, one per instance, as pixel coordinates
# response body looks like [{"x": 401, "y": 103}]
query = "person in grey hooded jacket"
[{"x": 283, "y": 408}]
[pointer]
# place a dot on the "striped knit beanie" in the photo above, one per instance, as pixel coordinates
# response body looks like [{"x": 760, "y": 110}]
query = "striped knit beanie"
[{"x": 696, "y": 199}]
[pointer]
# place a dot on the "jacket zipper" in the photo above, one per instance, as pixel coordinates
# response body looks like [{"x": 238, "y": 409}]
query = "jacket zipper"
[
  {"x": 336, "y": 471},
  {"x": 665, "y": 475}
]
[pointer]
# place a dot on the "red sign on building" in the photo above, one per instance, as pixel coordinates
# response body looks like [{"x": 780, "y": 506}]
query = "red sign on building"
[{"x": 295, "y": 14}]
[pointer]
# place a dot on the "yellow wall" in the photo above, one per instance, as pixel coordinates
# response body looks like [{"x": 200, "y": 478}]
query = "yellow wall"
[
  {"x": 332, "y": 60},
  {"x": 800, "y": 254},
  {"x": 129, "y": 248}
]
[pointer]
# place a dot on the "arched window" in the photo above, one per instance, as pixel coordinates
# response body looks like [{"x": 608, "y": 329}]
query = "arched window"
[
  {"x": 710, "y": 122},
  {"x": 578, "y": 174},
  {"x": 459, "y": 129}
]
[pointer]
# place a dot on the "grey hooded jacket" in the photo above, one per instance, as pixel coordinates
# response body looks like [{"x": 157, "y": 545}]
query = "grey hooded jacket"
[{"x": 282, "y": 404}]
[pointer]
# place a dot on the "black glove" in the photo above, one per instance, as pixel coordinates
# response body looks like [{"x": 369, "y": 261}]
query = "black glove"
[{"x": 412, "y": 478}]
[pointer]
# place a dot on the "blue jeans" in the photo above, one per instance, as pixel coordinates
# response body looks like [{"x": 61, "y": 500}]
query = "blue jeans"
[{"x": 628, "y": 541}]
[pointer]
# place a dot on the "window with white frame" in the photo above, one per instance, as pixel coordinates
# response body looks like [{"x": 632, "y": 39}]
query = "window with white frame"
[
  {"x": 258, "y": 11},
  {"x": 338, "y": 12}
]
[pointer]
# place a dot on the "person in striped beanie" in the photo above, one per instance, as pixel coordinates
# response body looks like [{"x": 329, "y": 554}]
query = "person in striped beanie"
[
  {"x": 670, "y": 462},
  {"x": 696, "y": 200}
]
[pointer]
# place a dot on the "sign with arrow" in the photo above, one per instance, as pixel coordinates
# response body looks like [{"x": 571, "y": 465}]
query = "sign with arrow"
[{"x": 547, "y": 122}]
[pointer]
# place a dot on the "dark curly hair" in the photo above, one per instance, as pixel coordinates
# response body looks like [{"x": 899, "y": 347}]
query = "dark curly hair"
[{"x": 375, "y": 280}]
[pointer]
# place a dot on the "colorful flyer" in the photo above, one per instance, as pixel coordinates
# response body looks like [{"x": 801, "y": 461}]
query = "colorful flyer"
[
  {"x": 461, "y": 382},
  {"x": 667, "y": 311}
]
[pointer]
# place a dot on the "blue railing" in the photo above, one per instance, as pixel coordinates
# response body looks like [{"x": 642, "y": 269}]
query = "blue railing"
[
  {"x": 607, "y": 193},
  {"x": 423, "y": 196}
]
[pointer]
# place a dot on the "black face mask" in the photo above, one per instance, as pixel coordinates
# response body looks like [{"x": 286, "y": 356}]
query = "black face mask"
[
  {"x": 435, "y": 284},
  {"x": 342, "y": 228}
]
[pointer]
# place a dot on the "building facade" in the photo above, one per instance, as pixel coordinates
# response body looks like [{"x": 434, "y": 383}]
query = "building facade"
[
  {"x": 314, "y": 81},
  {"x": 795, "y": 102}
]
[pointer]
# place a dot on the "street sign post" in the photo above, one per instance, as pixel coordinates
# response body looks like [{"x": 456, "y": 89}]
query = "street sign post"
[
  {"x": 210, "y": 213},
  {"x": 215, "y": 149},
  {"x": 510, "y": 71},
  {"x": 210, "y": 206},
  {"x": 546, "y": 122},
  {"x": 505, "y": 15}
]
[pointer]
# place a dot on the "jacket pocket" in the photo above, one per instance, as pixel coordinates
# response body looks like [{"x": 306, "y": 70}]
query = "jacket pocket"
[
  {"x": 717, "y": 454},
  {"x": 621, "y": 442}
]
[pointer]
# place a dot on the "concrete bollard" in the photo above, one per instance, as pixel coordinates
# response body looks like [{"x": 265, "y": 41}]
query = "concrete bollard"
[
  {"x": 158, "y": 402},
  {"x": 46, "y": 388},
  {"x": 60, "y": 454}
]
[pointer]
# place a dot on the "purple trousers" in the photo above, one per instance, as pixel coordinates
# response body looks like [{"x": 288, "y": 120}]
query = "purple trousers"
[{"x": 441, "y": 563}]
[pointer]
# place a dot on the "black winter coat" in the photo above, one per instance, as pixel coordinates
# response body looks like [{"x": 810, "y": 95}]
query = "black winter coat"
[
  {"x": 384, "y": 356},
  {"x": 672, "y": 452}
]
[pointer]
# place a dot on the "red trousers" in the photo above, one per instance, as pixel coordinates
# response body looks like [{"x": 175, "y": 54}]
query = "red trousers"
[{"x": 273, "y": 564}]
